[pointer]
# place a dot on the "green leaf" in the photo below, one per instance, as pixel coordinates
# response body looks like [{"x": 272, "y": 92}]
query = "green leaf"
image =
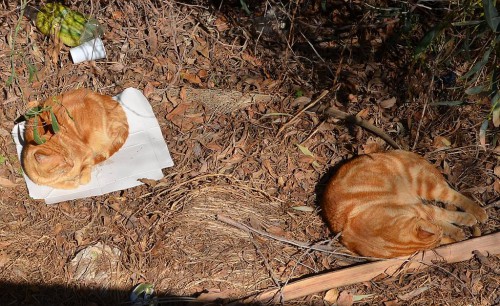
[
  {"x": 244, "y": 6},
  {"x": 479, "y": 65},
  {"x": 482, "y": 133},
  {"x": 32, "y": 112},
  {"x": 466, "y": 23},
  {"x": 39, "y": 140},
  {"x": 447, "y": 103},
  {"x": 10, "y": 80},
  {"x": 495, "y": 109},
  {"x": 495, "y": 78},
  {"x": 475, "y": 90},
  {"x": 491, "y": 14},
  {"x": 2, "y": 159},
  {"x": 428, "y": 38},
  {"x": 31, "y": 70},
  {"x": 53, "y": 119},
  {"x": 495, "y": 101}
]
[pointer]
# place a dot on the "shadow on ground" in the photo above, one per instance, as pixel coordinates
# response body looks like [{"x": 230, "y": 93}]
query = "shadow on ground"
[{"x": 38, "y": 294}]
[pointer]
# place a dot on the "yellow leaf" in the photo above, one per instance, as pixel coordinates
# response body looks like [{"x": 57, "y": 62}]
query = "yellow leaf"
[{"x": 305, "y": 150}]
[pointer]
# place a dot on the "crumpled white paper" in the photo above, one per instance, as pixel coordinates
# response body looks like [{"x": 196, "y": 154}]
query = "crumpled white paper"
[{"x": 143, "y": 155}]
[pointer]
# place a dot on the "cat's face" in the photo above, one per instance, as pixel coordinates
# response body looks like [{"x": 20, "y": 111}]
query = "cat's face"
[{"x": 51, "y": 164}]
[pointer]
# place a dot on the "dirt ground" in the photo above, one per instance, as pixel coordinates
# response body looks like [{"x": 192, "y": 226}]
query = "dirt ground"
[{"x": 261, "y": 164}]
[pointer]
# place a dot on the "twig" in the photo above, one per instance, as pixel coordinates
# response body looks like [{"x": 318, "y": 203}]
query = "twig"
[
  {"x": 321, "y": 96},
  {"x": 422, "y": 117},
  {"x": 266, "y": 262},
  {"x": 305, "y": 245},
  {"x": 362, "y": 123}
]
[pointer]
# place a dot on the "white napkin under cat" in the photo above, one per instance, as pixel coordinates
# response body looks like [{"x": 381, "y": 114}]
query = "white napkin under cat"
[{"x": 143, "y": 155}]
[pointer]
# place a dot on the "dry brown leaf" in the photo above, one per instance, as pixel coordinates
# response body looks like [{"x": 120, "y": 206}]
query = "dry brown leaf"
[
  {"x": 117, "y": 67},
  {"x": 364, "y": 113},
  {"x": 148, "y": 90},
  {"x": 6, "y": 183},
  {"x": 152, "y": 40},
  {"x": 345, "y": 299},
  {"x": 214, "y": 147},
  {"x": 388, "y": 103},
  {"x": 204, "y": 50},
  {"x": 496, "y": 186},
  {"x": 497, "y": 171},
  {"x": 276, "y": 230},
  {"x": 4, "y": 259},
  {"x": 331, "y": 296},
  {"x": 303, "y": 100},
  {"x": 191, "y": 78},
  {"x": 79, "y": 237},
  {"x": 202, "y": 73},
  {"x": 410, "y": 295},
  {"x": 149, "y": 182},
  {"x": 4, "y": 244},
  {"x": 221, "y": 24},
  {"x": 251, "y": 59},
  {"x": 352, "y": 98},
  {"x": 117, "y": 15},
  {"x": 179, "y": 110},
  {"x": 267, "y": 164},
  {"x": 441, "y": 142},
  {"x": 58, "y": 228}
]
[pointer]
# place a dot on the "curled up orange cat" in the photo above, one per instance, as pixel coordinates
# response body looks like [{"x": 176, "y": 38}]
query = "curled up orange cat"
[
  {"x": 79, "y": 129},
  {"x": 376, "y": 202}
]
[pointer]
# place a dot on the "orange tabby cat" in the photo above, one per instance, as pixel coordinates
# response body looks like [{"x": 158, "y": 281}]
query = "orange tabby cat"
[
  {"x": 375, "y": 200},
  {"x": 92, "y": 128}
]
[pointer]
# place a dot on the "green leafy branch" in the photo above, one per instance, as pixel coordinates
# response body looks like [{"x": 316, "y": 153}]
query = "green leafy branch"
[
  {"x": 486, "y": 26},
  {"x": 35, "y": 112}
]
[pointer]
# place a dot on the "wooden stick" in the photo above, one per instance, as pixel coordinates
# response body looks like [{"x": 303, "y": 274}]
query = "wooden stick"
[
  {"x": 362, "y": 123},
  {"x": 449, "y": 253}
]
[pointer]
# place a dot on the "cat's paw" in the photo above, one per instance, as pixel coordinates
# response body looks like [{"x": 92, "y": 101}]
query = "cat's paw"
[
  {"x": 457, "y": 235},
  {"x": 480, "y": 214},
  {"x": 467, "y": 219},
  {"x": 85, "y": 176}
]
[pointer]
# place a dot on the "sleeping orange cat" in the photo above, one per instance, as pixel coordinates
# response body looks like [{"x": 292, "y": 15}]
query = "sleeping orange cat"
[
  {"x": 375, "y": 201},
  {"x": 92, "y": 128}
]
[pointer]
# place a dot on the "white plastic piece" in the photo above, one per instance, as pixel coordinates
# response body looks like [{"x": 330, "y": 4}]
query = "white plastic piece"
[{"x": 88, "y": 51}]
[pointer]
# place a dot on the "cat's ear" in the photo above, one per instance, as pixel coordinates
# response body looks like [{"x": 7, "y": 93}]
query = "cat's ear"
[
  {"x": 42, "y": 158},
  {"x": 47, "y": 158},
  {"x": 424, "y": 233},
  {"x": 426, "y": 230}
]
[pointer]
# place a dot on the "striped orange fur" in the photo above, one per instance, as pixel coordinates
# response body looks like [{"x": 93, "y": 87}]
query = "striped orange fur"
[
  {"x": 375, "y": 201},
  {"x": 92, "y": 128}
]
